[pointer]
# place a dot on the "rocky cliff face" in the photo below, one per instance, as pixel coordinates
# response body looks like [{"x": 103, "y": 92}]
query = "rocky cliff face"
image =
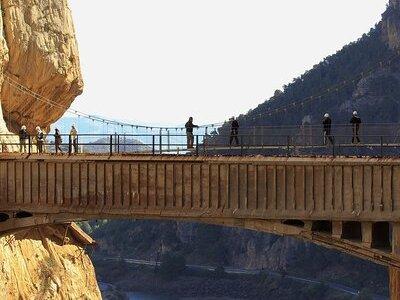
[
  {"x": 39, "y": 78},
  {"x": 391, "y": 24},
  {"x": 35, "y": 263},
  {"x": 38, "y": 50}
]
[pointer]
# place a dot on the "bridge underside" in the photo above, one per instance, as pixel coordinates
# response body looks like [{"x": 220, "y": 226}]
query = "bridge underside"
[{"x": 363, "y": 240}]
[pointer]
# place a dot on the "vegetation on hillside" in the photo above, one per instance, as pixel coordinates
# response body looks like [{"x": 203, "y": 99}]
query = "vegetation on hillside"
[{"x": 346, "y": 65}]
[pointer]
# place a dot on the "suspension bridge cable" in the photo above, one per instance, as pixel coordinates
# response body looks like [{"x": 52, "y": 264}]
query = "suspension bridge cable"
[
  {"x": 43, "y": 99},
  {"x": 269, "y": 112}
]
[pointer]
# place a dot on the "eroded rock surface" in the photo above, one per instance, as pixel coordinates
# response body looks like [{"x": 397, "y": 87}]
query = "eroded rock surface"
[
  {"x": 35, "y": 264},
  {"x": 40, "y": 52}
]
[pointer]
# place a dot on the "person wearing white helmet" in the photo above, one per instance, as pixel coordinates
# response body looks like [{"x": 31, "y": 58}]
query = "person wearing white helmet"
[
  {"x": 327, "y": 123},
  {"x": 23, "y": 138},
  {"x": 39, "y": 139},
  {"x": 355, "y": 122}
]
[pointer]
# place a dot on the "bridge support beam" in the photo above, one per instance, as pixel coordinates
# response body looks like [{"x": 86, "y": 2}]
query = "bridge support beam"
[
  {"x": 337, "y": 229},
  {"x": 366, "y": 234},
  {"x": 394, "y": 275}
]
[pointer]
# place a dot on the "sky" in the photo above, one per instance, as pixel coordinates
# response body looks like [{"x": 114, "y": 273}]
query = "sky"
[{"x": 158, "y": 62}]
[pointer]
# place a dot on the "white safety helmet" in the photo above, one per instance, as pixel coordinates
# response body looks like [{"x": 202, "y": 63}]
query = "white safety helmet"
[
  {"x": 355, "y": 113},
  {"x": 37, "y": 128},
  {"x": 23, "y": 127},
  {"x": 326, "y": 115}
]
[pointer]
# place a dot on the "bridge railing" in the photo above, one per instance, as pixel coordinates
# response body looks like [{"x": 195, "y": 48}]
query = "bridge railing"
[
  {"x": 311, "y": 134},
  {"x": 290, "y": 141}
]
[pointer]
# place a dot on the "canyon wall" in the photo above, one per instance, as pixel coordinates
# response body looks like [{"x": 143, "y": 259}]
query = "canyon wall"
[
  {"x": 44, "y": 263},
  {"x": 39, "y": 79}
]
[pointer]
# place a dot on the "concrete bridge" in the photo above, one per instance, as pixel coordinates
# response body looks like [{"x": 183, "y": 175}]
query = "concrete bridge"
[{"x": 349, "y": 204}]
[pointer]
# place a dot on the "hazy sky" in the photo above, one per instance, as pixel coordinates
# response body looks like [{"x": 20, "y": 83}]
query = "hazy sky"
[{"x": 159, "y": 61}]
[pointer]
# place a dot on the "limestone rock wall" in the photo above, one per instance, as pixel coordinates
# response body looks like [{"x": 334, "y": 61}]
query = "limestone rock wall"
[
  {"x": 34, "y": 264},
  {"x": 40, "y": 52}
]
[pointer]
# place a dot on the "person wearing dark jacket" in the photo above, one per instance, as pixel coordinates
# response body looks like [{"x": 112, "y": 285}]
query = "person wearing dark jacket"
[
  {"x": 57, "y": 141},
  {"x": 189, "y": 132},
  {"x": 355, "y": 122},
  {"x": 23, "y": 138},
  {"x": 327, "y": 123},
  {"x": 234, "y": 131},
  {"x": 39, "y": 139}
]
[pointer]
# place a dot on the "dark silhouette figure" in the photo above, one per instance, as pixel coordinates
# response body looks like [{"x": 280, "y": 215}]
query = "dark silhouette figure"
[
  {"x": 189, "y": 132},
  {"x": 57, "y": 141},
  {"x": 234, "y": 132},
  {"x": 355, "y": 123},
  {"x": 327, "y": 123}
]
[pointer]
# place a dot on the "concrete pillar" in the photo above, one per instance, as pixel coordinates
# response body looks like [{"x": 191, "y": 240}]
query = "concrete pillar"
[
  {"x": 394, "y": 286},
  {"x": 337, "y": 228},
  {"x": 366, "y": 233}
]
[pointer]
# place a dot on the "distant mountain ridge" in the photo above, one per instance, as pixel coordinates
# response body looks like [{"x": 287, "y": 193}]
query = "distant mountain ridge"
[{"x": 375, "y": 96}]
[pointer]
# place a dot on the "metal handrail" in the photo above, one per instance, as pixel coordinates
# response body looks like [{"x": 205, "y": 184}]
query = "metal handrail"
[{"x": 156, "y": 144}]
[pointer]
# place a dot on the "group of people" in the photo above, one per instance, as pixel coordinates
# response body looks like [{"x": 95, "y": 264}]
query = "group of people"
[
  {"x": 40, "y": 138},
  {"x": 355, "y": 122},
  {"x": 190, "y": 137},
  {"x": 24, "y": 137}
]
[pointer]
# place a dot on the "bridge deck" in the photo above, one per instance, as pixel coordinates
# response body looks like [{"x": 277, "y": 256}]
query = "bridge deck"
[{"x": 349, "y": 189}]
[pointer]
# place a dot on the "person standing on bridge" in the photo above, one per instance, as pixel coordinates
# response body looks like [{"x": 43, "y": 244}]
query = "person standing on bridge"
[
  {"x": 57, "y": 141},
  {"x": 39, "y": 139},
  {"x": 73, "y": 140},
  {"x": 189, "y": 132},
  {"x": 234, "y": 132},
  {"x": 23, "y": 138},
  {"x": 327, "y": 123},
  {"x": 355, "y": 122}
]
